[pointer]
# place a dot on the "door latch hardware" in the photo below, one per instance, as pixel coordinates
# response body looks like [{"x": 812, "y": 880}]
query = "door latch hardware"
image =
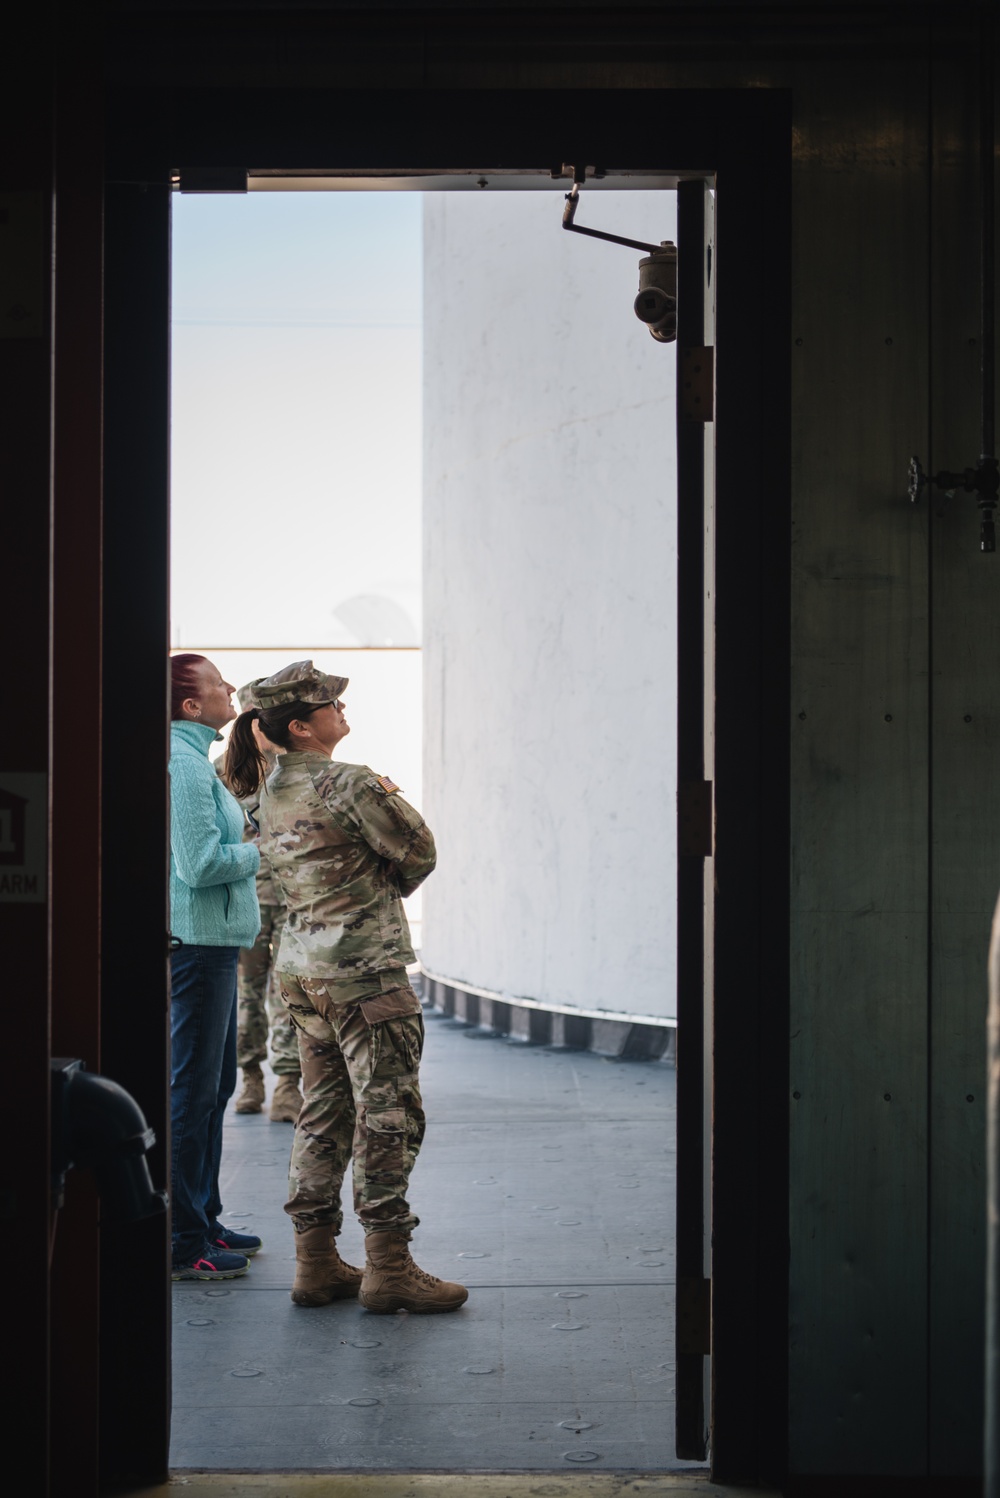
[
  {"x": 983, "y": 481},
  {"x": 694, "y": 1316},
  {"x": 696, "y": 381},
  {"x": 694, "y": 819}
]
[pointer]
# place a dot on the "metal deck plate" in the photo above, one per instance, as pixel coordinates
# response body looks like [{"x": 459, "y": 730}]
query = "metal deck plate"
[{"x": 546, "y": 1185}]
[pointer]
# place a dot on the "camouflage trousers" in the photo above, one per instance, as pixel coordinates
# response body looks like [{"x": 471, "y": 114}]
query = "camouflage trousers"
[
  {"x": 360, "y": 1064},
  {"x": 258, "y": 1002}
]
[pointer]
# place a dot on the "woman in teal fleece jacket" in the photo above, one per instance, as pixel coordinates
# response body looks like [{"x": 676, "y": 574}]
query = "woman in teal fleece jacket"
[
  {"x": 213, "y": 897},
  {"x": 213, "y": 912}
]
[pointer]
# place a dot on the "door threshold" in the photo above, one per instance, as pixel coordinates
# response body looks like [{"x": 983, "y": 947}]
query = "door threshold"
[{"x": 546, "y": 1484}]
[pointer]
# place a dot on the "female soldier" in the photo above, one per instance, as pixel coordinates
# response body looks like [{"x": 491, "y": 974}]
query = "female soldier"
[{"x": 345, "y": 848}]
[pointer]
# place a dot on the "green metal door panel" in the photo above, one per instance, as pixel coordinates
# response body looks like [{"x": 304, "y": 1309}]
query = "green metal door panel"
[
  {"x": 858, "y": 1078},
  {"x": 858, "y": 1121},
  {"x": 965, "y": 789}
]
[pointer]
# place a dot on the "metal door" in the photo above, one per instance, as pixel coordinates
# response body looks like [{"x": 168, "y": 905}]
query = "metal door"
[{"x": 695, "y": 817}]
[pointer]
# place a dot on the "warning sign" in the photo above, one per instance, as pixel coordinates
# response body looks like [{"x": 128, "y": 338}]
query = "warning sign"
[{"x": 23, "y": 813}]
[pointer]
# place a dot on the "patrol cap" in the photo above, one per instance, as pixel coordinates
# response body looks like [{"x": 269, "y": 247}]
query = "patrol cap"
[
  {"x": 299, "y": 682},
  {"x": 245, "y": 697}
]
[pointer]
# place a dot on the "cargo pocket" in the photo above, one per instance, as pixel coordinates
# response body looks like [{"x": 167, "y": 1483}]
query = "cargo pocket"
[
  {"x": 395, "y": 1047},
  {"x": 385, "y": 1156},
  {"x": 392, "y": 1005}
]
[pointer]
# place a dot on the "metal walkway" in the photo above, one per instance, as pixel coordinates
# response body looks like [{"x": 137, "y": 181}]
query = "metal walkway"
[{"x": 546, "y": 1184}]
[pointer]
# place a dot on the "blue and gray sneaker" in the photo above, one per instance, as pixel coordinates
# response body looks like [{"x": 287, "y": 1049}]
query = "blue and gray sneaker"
[
  {"x": 229, "y": 1238},
  {"x": 212, "y": 1264}
]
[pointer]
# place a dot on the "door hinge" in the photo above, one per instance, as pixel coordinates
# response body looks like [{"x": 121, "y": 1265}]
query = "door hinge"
[
  {"x": 696, "y": 378},
  {"x": 694, "y": 1316},
  {"x": 694, "y": 819}
]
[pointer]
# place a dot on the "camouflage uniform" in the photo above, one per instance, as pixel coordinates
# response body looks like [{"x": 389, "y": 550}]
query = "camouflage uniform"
[
  {"x": 360, "y": 1064},
  {"x": 344, "y": 849},
  {"x": 258, "y": 993},
  {"x": 259, "y": 1002}
]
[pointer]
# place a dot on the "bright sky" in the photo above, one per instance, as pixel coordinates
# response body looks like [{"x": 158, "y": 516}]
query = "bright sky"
[{"x": 296, "y": 451}]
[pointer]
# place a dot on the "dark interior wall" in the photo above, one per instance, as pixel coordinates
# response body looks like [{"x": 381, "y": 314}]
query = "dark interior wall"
[
  {"x": 893, "y": 723},
  {"x": 25, "y": 483},
  {"x": 864, "y": 1284}
]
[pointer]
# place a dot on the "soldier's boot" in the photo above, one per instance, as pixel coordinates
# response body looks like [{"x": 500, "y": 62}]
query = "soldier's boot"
[
  {"x": 320, "y": 1273},
  {"x": 251, "y": 1099},
  {"x": 286, "y": 1102},
  {"x": 392, "y": 1282}
]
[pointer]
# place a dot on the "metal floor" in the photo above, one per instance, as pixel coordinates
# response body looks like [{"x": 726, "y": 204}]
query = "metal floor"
[{"x": 546, "y": 1185}]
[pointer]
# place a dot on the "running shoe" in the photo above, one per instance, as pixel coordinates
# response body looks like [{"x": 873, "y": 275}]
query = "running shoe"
[
  {"x": 237, "y": 1243},
  {"x": 212, "y": 1264}
]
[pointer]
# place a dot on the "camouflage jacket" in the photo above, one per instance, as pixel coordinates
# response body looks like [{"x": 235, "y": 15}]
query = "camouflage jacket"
[
  {"x": 344, "y": 848},
  {"x": 267, "y": 891}
]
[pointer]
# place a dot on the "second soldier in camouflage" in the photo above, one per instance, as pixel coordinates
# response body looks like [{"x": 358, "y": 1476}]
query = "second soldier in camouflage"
[{"x": 258, "y": 993}]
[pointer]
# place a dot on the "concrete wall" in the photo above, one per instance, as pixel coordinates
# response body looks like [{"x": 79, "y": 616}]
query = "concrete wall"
[{"x": 549, "y": 603}]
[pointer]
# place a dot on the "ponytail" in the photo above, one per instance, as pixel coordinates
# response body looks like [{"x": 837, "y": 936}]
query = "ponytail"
[{"x": 245, "y": 765}]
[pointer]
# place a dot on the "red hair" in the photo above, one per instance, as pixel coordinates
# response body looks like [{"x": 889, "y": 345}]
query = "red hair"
[{"x": 184, "y": 681}]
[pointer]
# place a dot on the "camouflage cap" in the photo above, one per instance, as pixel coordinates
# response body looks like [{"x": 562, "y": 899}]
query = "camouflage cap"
[{"x": 299, "y": 682}]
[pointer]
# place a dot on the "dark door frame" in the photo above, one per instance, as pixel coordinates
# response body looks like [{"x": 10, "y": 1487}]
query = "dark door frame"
[
  {"x": 742, "y": 138},
  {"x": 696, "y": 429}
]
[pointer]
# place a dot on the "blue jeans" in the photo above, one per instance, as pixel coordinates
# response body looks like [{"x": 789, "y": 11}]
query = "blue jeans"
[{"x": 202, "y": 1080}]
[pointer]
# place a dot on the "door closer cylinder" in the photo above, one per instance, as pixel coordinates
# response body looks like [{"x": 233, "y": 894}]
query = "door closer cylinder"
[{"x": 656, "y": 302}]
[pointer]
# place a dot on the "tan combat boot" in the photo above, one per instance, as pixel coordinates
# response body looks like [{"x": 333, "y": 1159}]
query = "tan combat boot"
[
  {"x": 286, "y": 1102},
  {"x": 251, "y": 1099},
  {"x": 320, "y": 1273},
  {"x": 392, "y": 1282}
]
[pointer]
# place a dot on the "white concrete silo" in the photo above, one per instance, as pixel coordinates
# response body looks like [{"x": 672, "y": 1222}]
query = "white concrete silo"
[{"x": 549, "y": 646}]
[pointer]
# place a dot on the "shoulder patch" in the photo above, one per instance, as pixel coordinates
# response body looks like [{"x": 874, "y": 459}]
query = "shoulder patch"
[{"x": 389, "y": 786}]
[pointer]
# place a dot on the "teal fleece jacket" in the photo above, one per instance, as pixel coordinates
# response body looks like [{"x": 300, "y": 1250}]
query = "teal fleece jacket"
[{"x": 213, "y": 899}]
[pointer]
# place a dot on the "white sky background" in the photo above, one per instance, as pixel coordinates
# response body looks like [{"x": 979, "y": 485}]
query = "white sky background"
[
  {"x": 296, "y": 445},
  {"x": 296, "y": 407}
]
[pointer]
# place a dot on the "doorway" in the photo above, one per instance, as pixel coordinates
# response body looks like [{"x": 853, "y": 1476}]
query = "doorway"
[
  {"x": 566, "y": 458},
  {"x": 743, "y": 137}
]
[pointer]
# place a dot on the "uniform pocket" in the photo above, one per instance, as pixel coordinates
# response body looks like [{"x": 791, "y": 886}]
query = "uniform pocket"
[
  {"x": 395, "y": 1004},
  {"x": 395, "y": 1047},
  {"x": 385, "y": 1155}
]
